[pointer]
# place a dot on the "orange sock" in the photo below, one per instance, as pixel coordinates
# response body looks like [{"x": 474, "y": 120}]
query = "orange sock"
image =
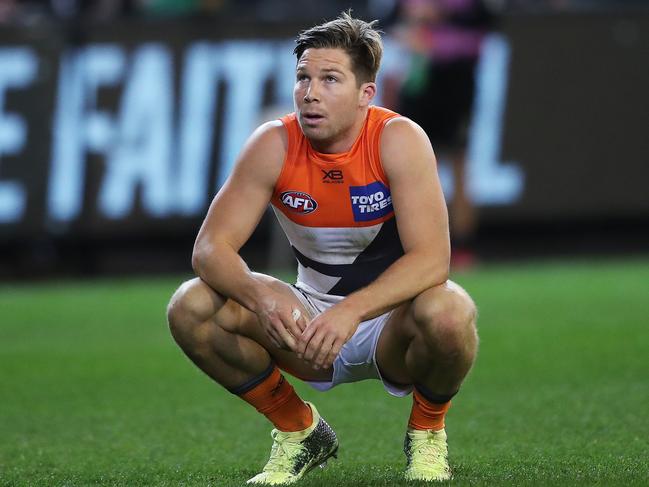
[
  {"x": 276, "y": 399},
  {"x": 426, "y": 415}
]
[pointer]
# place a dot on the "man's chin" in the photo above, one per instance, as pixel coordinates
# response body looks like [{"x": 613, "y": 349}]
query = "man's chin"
[{"x": 314, "y": 133}]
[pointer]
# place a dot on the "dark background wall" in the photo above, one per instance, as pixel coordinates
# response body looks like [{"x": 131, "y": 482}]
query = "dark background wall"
[{"x": 115, "y": 137}]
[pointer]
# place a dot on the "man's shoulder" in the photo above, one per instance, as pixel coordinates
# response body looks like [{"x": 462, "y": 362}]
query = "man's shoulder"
[
  {"x": 275, "y": 127},
  {"x": 263, "y": 155},
  {"x": 403, "y": 143},
  {"x": 400, "y": 127},
  {"x": 270, "y": 135}
]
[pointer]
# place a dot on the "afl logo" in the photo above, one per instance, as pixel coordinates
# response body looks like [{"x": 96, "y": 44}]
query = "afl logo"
[{"x": 298, "y": 202}]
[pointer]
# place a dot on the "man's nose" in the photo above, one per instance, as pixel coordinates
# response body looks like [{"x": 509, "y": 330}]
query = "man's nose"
[{"x": 312, "y": 93}]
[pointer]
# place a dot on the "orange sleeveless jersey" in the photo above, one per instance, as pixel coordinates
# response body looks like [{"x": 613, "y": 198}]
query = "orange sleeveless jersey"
[{"x": 336, "y": 209}]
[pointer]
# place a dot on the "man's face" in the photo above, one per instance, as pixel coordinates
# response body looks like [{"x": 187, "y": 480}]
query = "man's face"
[{"x": 328, "y": 100}]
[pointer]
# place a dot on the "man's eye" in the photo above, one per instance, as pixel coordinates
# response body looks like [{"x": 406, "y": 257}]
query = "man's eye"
[{"x": 332, "y": 79}]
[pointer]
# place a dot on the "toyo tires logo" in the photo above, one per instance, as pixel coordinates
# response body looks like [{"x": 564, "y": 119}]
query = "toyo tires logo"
[
  {"x": 370, "y": 202},
  {"x": 298, "y": 202}
]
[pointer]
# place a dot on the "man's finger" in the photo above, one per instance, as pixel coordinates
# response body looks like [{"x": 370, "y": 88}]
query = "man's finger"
[
  {"x": 299, "y": 319},
  {"x": 270, "y": 331},
  {"x": 286, "y": 337},
  {"x": 333, "y": 353},
  {"x": 291, "y": 325},
  {"x": 305, "y": 338},
  {"x": 314, "y": 345},
  {"x": 323, "y": 353}
]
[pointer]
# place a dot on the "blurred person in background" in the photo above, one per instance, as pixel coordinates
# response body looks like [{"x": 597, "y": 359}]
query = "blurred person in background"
[
  {"x": 444, "y": 38},
  {"x": 7, "y": 11},
  {"x": 356, "y": 190},
  {"x": 568, "y": 5}
]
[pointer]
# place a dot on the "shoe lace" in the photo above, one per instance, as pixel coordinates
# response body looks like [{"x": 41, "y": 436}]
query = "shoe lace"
[
  {"x": 429, "y": 454},
  {"x": 283, "y": 451}
]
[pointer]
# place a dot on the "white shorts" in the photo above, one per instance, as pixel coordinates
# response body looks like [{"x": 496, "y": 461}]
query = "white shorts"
[{"x": 357, "y": 358}]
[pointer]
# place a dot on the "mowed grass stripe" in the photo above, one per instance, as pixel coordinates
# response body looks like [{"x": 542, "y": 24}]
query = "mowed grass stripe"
[{"x": 94, "y": 392}]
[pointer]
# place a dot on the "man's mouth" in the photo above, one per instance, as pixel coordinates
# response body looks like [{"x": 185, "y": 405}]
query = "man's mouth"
[{"x": 312, "y": 117}]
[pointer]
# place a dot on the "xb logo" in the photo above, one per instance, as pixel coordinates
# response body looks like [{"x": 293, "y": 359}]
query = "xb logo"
[{"x": 333, "y": 176}]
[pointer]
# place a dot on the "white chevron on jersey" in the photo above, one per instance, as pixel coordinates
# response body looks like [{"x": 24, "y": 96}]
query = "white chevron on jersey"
[{"x": 328, "y": 245}]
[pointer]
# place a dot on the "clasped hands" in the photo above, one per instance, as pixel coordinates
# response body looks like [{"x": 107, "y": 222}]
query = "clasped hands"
[{"x": 317, "y": 341}]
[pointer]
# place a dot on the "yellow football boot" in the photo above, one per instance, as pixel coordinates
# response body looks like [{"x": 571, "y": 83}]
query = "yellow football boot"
[
  {"x": 294, "y": 454},
  {"x": 427, "y": 455}
]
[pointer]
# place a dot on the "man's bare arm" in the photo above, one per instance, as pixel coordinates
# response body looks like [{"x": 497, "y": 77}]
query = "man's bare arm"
[
  {"x": 422, "y": 221},
  {"x": 231, "y": 219}
]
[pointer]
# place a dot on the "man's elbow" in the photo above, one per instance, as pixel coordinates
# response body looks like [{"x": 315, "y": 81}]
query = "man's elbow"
[
  {"x": 200, "y": 255},
  {"x": 431, "y": 267},
  {"x": 439, "y": 271},
  {"x": 441, "y": 275}
]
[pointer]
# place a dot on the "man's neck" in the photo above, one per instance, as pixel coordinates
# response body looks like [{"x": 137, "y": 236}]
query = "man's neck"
[{"x": 345, "y": 141}]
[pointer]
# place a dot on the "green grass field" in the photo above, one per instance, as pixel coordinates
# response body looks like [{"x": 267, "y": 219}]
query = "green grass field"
[{"x": 94, "y": 392}]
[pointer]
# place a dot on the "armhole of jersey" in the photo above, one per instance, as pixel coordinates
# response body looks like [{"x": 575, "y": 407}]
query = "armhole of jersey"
[
  {"x": 379, "y": 166},
  {"x": 290, "y": 146}
]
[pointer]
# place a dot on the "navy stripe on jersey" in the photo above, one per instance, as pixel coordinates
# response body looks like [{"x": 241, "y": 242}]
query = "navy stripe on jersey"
[{"x": 368, "y": 265}]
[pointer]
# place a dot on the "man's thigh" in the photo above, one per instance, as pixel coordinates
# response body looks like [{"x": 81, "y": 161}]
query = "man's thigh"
[
  {"x": 401, "y": 328},
  {"x": 234, "y": 318}
]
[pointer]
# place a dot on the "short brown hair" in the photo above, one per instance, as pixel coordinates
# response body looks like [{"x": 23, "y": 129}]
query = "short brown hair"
[{"x": 360, "y": 40}]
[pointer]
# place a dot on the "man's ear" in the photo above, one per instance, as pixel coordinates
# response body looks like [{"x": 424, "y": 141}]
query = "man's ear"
[{"x": 367, "y": 93}]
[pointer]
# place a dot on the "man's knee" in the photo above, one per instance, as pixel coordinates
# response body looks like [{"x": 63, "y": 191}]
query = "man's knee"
[
  {"x": 193, "y": 303},
  {"x": 446, "y": 314}
]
